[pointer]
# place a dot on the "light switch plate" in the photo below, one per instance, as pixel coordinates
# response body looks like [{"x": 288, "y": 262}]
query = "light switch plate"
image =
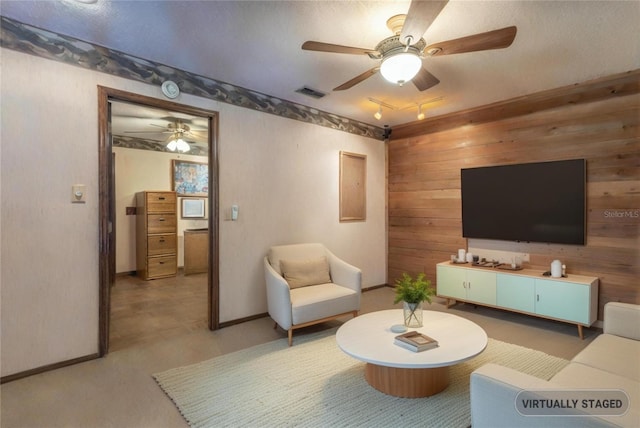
[{"x": 78, "y": 193}]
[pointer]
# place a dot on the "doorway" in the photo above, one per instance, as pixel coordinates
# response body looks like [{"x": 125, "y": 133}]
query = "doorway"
[{"x": 107, "y": 217}]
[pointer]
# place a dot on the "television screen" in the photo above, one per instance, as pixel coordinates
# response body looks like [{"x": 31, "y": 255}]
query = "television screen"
[{"x": 537, "y": 202}]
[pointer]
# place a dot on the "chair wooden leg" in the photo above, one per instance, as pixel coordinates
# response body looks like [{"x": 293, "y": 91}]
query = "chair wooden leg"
[{"x": 290, "y": 336}]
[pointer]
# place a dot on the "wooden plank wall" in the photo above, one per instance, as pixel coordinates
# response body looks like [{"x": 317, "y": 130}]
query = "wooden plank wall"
[{"x": 597, "y": 120}]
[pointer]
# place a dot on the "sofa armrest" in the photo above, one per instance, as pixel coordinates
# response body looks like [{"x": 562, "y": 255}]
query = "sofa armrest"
[
  {"x": 622, "y": 319},
  {"x": 344, "y": 274},
  {"x": 493, "y": 401},
  {"x": 493, "y": 393},
  {"x": 278, "y": 297}
]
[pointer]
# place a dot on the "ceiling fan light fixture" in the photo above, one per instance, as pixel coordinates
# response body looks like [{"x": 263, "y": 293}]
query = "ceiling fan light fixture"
[
  {"x": 401, "y": 67},
  {"x": 178, "y": 144},
  {"x": 173, "y": 145}
]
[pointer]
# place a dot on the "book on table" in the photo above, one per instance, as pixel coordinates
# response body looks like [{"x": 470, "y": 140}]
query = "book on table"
[{"x": 415, "y": 341}]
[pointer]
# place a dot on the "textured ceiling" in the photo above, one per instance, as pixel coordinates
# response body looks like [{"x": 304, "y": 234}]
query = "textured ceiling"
[{"x": 256, "y": 45}]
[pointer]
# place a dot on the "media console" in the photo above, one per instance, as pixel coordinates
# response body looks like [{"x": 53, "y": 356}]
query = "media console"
[{"x": 572, "y": 299}]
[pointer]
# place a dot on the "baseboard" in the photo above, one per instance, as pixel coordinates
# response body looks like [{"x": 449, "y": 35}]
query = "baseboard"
[
  {"x": 241, "y": 320},
  {"x": 48, "y": 367},
  {"x": 375, "y": 287}
]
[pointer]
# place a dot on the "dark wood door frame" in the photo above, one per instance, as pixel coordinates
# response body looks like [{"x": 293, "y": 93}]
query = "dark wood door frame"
[{"x": 106, "y": 253}]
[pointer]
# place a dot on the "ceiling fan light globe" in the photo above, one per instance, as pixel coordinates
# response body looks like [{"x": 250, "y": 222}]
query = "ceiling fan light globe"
[
  {"x": 400, "y": 68},
  {"x": 182, "y": 145},
  {"x": 173, "y": 145}
]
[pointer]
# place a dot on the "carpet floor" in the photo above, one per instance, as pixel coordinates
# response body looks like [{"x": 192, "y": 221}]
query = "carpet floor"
[{"x": 314, "y": 384}]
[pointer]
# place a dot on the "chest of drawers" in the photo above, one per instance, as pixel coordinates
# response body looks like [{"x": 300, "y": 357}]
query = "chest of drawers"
[{"x": 156, "y": 234}]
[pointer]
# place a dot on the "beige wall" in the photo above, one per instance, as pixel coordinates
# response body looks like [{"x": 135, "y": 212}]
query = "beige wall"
[{"x": 283, "y": 174}]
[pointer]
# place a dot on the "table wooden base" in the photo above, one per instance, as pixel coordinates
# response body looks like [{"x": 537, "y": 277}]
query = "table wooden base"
[{"x": 408, "y": 383}]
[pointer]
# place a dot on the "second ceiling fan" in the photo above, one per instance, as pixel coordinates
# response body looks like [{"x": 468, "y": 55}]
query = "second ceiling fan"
[{"x": 401, "y": 54}]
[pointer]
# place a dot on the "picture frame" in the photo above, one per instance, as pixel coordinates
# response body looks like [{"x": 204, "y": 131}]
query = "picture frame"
[
  {"x": 353, "y": 190},
  {"x": 193, "y": 208},
  {"x": 190, "y": 178}
]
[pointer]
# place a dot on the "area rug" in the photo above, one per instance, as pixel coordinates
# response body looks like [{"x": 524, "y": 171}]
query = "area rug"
[{"x": 314, "y": 384}]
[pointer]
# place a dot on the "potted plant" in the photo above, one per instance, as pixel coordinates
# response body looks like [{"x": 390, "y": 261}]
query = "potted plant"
[{"x": 413, "y": 292}]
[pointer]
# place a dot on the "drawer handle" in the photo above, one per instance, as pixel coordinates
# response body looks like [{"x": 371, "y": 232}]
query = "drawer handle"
[
  {"x": 162, "y": 240},
  {"x": 161, "y": 219},
  {"x": 161, "y": 263},
  {"x": 161, "y": 198}
]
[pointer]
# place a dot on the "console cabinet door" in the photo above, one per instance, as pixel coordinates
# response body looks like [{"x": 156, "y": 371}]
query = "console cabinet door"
[
  {"x": 481, "y": 287},
  {"x": 563, "y": 300},
  {"x": 451, "y": 282},
  {"x": 516, "y": 292},
  {"x": 467, "y": 284}
]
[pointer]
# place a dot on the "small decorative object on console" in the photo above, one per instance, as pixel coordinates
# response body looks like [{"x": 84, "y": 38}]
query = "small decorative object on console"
[{"x": 415, "y": 341}]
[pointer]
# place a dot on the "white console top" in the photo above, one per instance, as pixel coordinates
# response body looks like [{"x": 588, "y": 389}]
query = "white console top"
[{"x": 578, "y": 279}]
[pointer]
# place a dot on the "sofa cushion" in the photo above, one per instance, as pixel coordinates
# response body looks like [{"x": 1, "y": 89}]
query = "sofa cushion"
[
  {"x": 305, "y": 272},
  {"x": 580, "y": 376},
  {"x": 613, "y": 354},
  {"x": 622, "y": 319}
]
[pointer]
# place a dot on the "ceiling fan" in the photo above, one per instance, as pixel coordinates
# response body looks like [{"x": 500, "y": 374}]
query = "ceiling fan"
[
  {"x": 178, "y": 130},
  {"x": 401, "y": 55}
]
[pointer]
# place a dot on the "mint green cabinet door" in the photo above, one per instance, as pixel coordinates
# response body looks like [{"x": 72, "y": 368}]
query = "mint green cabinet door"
[
  {"x": 516, "y": 292},
  {"x": 563, "y": 300},
  {"x": 451, "y": 282},
  {"x": 481, "y": 287}
]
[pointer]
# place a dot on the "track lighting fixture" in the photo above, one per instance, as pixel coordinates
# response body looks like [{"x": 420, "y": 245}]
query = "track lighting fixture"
[
  {"x": 378, "y": 114},
  {"x": 420, "y": 112}
]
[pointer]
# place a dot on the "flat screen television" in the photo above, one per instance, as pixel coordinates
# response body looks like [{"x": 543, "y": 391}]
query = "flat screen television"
[{"x": 532, "y": 202}]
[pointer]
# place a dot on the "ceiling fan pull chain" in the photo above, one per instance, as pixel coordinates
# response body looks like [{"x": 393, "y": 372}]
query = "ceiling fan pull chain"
[{"x": 409, "y": 39}]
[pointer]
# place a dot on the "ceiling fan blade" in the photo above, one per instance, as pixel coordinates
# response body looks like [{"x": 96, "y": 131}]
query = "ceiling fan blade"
[
  {"x": 328, "y": 47},
  {"x": 357, "y": 79},
  {"x": 425, "y": 80},
  {"x": 419, "y": 18},
  {"x": 146, "y": 132},
  {"x": 496, "y": 39}
]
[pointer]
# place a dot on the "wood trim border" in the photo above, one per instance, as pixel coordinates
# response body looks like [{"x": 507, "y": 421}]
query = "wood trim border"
[
  {"x": 104, "y": 160},
  {"x": 622, "y": 84},
  {"x": 48, "y": 367}
]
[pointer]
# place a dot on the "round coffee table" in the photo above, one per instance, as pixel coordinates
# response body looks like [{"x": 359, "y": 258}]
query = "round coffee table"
[{"x": 398, "y": 371}]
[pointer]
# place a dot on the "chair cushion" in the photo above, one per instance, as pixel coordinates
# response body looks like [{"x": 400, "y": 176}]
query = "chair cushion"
[
  {"x": 294, "y": 252},
  {"x": 301, "y": 273},
  {"x": 322, "y": 301}
]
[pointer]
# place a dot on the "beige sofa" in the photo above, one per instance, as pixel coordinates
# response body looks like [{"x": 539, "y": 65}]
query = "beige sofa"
[{"x": 611, "y": 361}]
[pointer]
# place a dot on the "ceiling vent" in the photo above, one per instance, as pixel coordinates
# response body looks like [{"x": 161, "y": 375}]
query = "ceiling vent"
[{"x": 310, "y": 92}]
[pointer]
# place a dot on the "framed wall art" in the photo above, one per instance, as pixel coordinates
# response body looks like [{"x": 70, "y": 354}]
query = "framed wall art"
[
  {"x": 193, "y": 208},
  {"x": 190, "y": 178},
  {"x": 353, "y": 192}
]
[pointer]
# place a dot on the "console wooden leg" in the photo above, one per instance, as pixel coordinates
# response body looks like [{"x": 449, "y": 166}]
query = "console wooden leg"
[
  {"x": 580, "y": 332},
  {"x": 290, "y": 336}
]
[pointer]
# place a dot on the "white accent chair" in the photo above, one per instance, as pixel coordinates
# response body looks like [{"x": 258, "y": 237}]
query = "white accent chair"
[{"x": 293, "y": 304}]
